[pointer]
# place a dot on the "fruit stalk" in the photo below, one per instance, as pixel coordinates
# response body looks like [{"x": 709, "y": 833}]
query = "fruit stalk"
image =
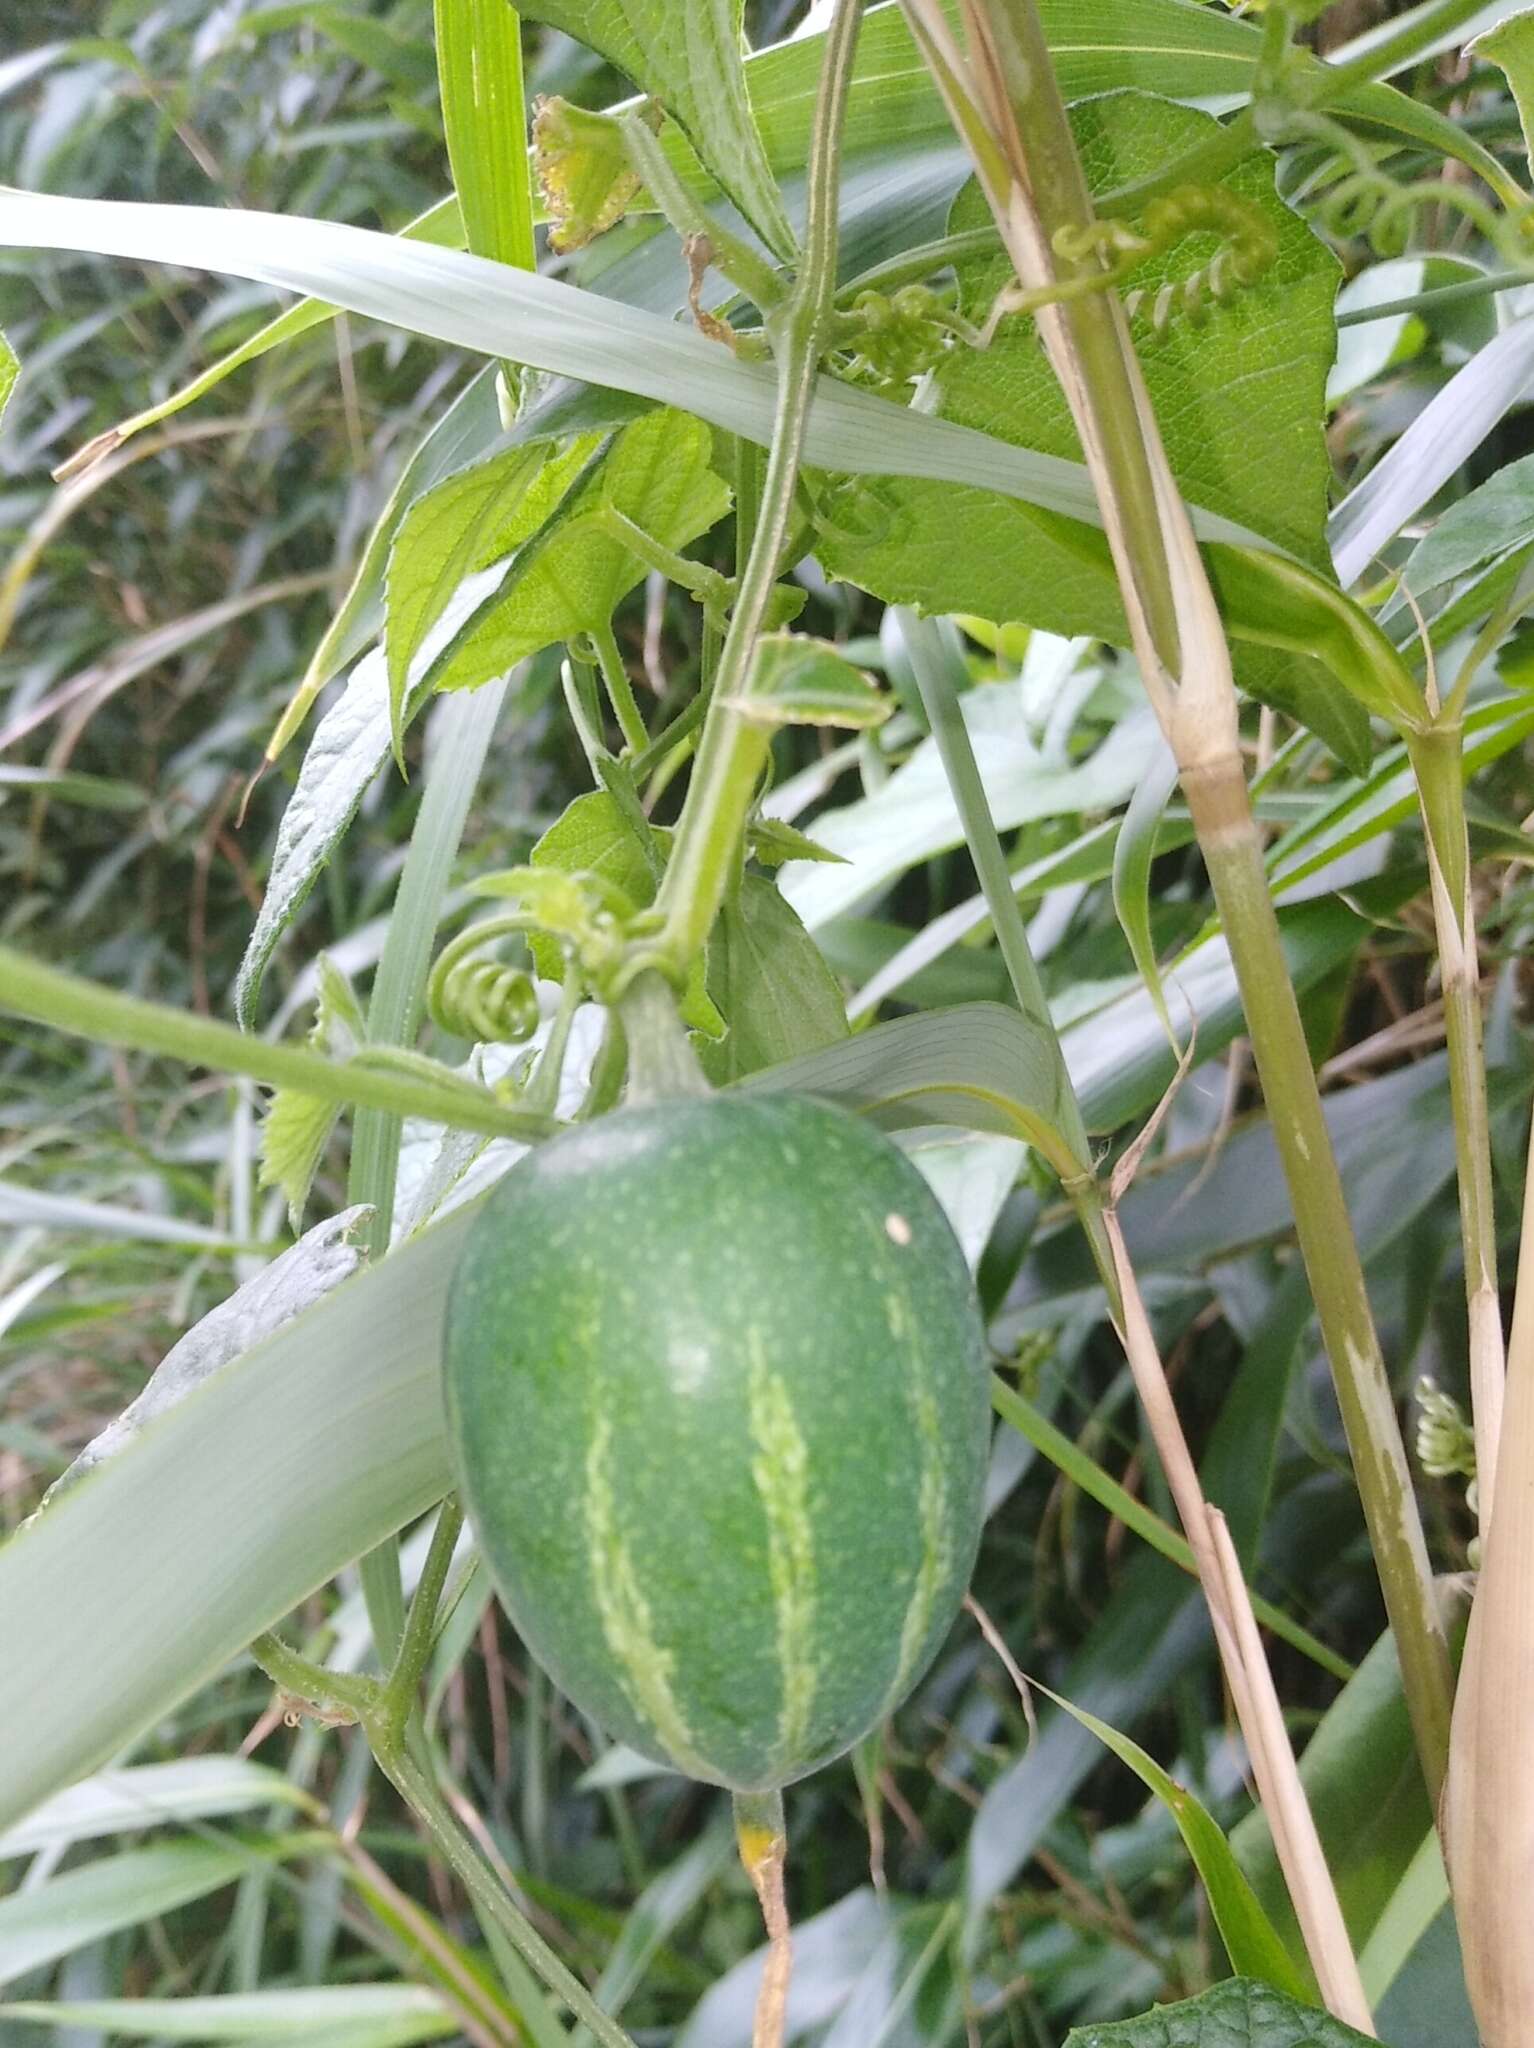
[{"x": 762, "y": 1838}]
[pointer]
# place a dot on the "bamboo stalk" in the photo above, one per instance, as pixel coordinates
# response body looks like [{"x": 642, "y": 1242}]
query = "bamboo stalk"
[
  {"x": 1435, "y": 759},
  {"x": 1489, "y": 1809},
  {"x": 1006, "y": 103}
]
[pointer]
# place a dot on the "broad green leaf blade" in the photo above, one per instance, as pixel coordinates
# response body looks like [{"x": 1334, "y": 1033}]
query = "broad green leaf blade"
[
  {"x": 468, "y": 426},
  {"x": 571, "y": 574},
  {"x": 798, "y": 680},
  {"x": 10, "y": 370},
  {"x": 152, "y": 1795},
  {"x": 1234, "y": 2015},
  {"x": 471, "y": 303},
  {"x": 411, "y": 2012},
  {"x": 689, "y": 60},
  {"x": 1250, "y": 1941},
  {"x": 49, "y": 1920},
  {"x": 462, "y": 527},
  {"x": 479, "y": 65},
  {"x": 770, "y": 982},
  {"x": 1240, "y": 395},
  {"x": 1410, "y": 1911}
]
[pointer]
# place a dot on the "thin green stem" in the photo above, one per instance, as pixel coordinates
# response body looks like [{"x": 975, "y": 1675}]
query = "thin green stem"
[
  {"x": 403, "y": 1683},
  {"x": 574, "y": 679},
  {"x": 464, "y": 1858},
  {"x": 338, "y": 1695},
  {"x": 1440, "y": 295},
  {"x": 940, "y": 700},
  {"x": 67, "y": 1002},
  {"x": 692, "y": 220},
  {"x": 714, "y": 592},
  {"x": 620, "y": 691},
  {"x": 734, "y": 747}
]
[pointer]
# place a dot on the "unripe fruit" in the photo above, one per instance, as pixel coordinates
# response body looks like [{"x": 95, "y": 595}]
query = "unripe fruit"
[{"x": 717, "y": 1392}]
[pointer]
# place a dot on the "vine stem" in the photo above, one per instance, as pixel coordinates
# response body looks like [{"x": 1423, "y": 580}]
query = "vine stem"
[
  {"x": 734, "y": 746},
  {"x": 385, "y": 1710},
  {"x": 762, "y": 1838},
  {"x": 1006, "y": 102}
]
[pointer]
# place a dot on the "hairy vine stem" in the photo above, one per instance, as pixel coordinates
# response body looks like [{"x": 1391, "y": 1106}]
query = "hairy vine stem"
[{"x": 734, "y": 747}]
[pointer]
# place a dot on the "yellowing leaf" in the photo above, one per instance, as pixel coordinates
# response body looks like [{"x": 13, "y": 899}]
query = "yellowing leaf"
[{"x": 583, "y": 172}]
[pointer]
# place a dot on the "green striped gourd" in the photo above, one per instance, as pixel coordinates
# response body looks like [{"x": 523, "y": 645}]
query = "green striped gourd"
[{"x": 717, "y": 1393}]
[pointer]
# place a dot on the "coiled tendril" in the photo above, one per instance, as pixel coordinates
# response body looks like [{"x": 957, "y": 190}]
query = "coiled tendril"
[
  {"x": 1352, "y": 195},
  {"x": 473, "y": 995},
  {"x": 1249, "y": 250}
]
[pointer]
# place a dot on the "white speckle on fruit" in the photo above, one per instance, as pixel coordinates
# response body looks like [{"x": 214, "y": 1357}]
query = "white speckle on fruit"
[{"x": 897, "y": 1229}]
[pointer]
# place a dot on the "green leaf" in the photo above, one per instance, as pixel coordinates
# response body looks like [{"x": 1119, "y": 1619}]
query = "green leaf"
[
  {"x": 297, "y": 1126},
  {"x": 471, "y": 303},
  {"x": 798, "y": 680},
  {"x": 471, "y": 423},
  {"x": 572, "y": 573},
  {"x": 1134, "y": 852},
  {"x": 982, "y": 1067},
  {"x": 1303, "y": 689},
  {"x": 1254, "y": 1948},
  {"x": 10, "y": 370},
  {"x": 1234, "y": 2015},
  {"x": 408, "y": 2012},
  {"x": 770, "y": 983},
  {"x": 463, "y": 525},
  {"x": 594, "y": 837},
  {"x": 689, "y": 60},
  {"x": 479, "y": 63},
  {"x": 1510, "y": 46},
  {"x": 1480, "y": 527},
  {"x": 49, "y": 1920},
  {"x": 1240, "y": 397},
  {"x": 151, "y": 1795},
  {"x": 772, "y": 843},
  {"x": 71, "y": 786}
]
